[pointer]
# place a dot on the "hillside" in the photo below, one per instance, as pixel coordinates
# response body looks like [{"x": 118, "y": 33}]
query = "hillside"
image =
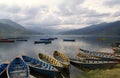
[
  {"x": 8, "y": 27},
  {"x": 12, "y": 24},
  {"x": 99, "y": 29}
]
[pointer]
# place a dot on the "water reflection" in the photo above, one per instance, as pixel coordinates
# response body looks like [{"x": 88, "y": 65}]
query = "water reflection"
[{"x": 94, "y": 43}]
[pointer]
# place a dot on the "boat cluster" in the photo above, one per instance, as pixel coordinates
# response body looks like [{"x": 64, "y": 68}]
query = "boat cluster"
[
  {"x": 23, "y": 65},
  {"x": 41, "y": 41},
  {"x": 45, "y": 40},
  {"x": 86, "y": 59},
  {"x": 49, "y": 40},
  {"x": 58, "y": 65}
]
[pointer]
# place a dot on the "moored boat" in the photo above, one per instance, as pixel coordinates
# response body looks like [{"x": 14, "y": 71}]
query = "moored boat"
[
  {"x": 102, "y": 55},
  {"x": 7, "y": 40},
  {"x": 40, "y": 66},
  {"x": 52, "y": 38},
  {"x": 93, "y": 64},
  {"x": 21, "y": 40},
  {"x": 71, "y": 40},
  {"x": 64, "y": 61},
  {"x": 18, "y": 69},
  {"x": 50, "y": 60},
  {"x": 42, "y": 41},
  {"x": 47, "y": 39},
  {"x": 62, "y": 58},
  {"x": 84, "y": 56},
  {"x": 3, "y": 68}
]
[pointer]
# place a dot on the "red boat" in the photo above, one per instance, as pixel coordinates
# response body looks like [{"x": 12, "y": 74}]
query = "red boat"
[{"x": 7, "y": 40}]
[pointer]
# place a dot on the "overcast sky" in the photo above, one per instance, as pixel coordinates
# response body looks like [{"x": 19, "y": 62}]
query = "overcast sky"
[{"x": 60, "y": 14}]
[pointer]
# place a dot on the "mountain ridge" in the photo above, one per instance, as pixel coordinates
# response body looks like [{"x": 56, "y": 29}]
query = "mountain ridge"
[
  {"x": 98, "y": 29},
  {"x": 9, "y": 27}
]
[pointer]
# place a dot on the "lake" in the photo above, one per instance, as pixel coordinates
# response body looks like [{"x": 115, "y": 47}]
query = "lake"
[{"x": 9, "y": 51}]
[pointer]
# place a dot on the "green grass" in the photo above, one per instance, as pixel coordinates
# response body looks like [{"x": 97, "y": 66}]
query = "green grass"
[{"x": 102, "y": 73}]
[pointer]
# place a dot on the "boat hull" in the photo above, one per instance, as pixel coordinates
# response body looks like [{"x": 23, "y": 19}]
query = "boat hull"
[
  {"x": 40, "y": 66},
  {"x": 69, "y": 40},
  {"x": 7, "y": 41},
  {"x": 44, "y": 72},
  {"x": 82, "y": 65},
  {"x": 18, "y": 69},
  {"x": 104, "y": 56},
  {"x": 3, "y": 73},
  {"x": 45, "y": 42},
  {"x": 62, "y": 58},
  {"x": 50, "y": 60}
]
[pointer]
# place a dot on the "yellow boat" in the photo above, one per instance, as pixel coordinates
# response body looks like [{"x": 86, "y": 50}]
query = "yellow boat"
[
  {"x": 50, "y": 60},
  {"x": 62, "y": 58}
]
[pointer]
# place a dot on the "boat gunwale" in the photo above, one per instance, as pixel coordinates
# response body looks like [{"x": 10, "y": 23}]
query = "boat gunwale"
[
  {"x": 56, "y": 66},
  {"x": 28, "y": 72},
  {"x": 41, "y": 67}
]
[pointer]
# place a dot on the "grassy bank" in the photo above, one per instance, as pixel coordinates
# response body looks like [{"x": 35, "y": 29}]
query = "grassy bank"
[{"x": 102, "y": 73}]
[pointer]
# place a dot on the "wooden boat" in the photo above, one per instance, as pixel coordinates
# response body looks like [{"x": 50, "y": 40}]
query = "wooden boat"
[
  {"x": 105, "y": 56},
  {"x": 62, "y": 58},
  {"x": 84, "y": 56},
  {"x": 18, "y": 69},
  {"x": 52, "y": 38},
  {"x": 21, "y": 40},
  {"x": 46, "y": 39},
  {"x": 116, "y": 44},
  {"x": 93, "y": 64},
  {"x": 7, "y": 40},
  {"x": 40, "y": 66},
  {"x": 50, "y": 60},
  {"x": 72, "y": 40},
  {"x": 42, "y": 41},
  {"x": 64, "y": 61},
  {"x": 3, "y": 68}
]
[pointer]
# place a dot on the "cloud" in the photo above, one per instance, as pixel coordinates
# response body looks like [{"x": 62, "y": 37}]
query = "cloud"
[
  {"x": 112, "y": 3},
  {"x": 70, "y": 7},
  {"x": 10, "y": 9},
  {"x": 60, "y": 14},
  {"x": 117, "y": 14}
]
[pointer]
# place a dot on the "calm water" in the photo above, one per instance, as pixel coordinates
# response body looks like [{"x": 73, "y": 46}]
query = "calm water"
[{"x": 9, "y": 51}]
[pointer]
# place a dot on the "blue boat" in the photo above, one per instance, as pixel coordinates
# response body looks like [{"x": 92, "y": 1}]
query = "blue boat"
[
  {"x": 40, "y": 66},
  {"x": 101, "y": 55},
  {"x": 47, "y": 39},
  {"x": 18, "y": 69},
  {"x": 93, "y": 64},
  {"x": 3, "y": 73},
  {"x": 52, "y": 38},
  {"x": 71, "y": 40},
  {"x": 21, "y": 40},
  {"x": 42, "y": 41}
]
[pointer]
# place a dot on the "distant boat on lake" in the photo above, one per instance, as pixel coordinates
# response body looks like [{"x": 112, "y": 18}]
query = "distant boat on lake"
[
  {"x": 7, "y": 40},
  {"x": 52, "y": 38},
  {"x": 42, "y": 41},
  {"x": 21, "y": 40},
  {"x": 71, "y": 40},
  {"x": 49, "y": 39}
]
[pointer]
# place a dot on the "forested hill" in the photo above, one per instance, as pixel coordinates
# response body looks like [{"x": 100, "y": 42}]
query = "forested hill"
[{"x": 99, "y": 29}]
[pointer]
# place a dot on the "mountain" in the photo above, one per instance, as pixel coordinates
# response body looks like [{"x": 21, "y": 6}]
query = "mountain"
[
  {"x": 112, "y": 28},
  {"x": 12, "y": 24},
  {"x": 8, "y": 27}
]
